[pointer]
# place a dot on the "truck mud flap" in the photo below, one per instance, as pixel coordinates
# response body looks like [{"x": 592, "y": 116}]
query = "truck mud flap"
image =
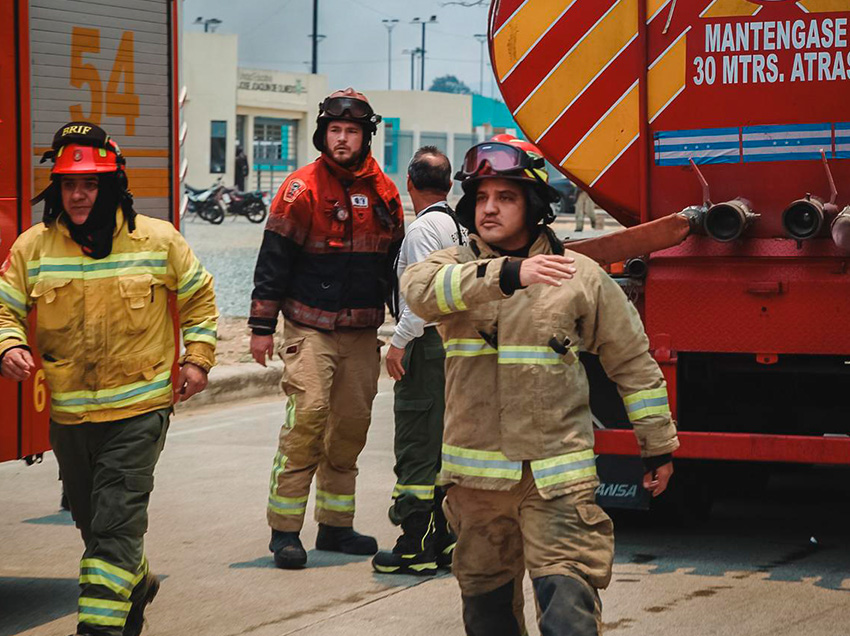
[{"x": 620, "y": 486}]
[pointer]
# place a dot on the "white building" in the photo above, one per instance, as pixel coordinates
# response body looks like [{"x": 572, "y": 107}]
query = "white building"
[{"x": 273, "y": 115}]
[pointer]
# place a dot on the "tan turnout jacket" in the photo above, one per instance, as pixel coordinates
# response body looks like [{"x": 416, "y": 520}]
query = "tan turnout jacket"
[{"x": 510, "y": 396}]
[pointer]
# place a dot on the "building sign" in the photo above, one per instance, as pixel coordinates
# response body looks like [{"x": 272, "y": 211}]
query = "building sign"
[{"x": 268, "y": 81}]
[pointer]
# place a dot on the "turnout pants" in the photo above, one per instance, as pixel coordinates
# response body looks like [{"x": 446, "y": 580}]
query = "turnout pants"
[
  {"x": 566, "y": 544},
  {"x": 107, "y": 473},
  {"x": 330, "y": 379},
  {"x": 419, "y": 405}
]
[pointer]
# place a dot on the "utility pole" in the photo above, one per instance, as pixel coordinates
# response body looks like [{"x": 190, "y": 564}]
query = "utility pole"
[
  {"x": 482, "y": 38},
  {"x": 390, "y": 24},
  {"x": 431, "y": 20},
  {"x": 315, "y": 67},
  {"x": 413, "y": 53}
]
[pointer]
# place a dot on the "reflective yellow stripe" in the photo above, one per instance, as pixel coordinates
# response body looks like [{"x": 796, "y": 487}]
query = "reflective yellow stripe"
[
  {"x": 456, "y": 295},
  {"x": 563, "y": 469},
  {"x": 13, "y": 300},
  {"x": 12, "y": 332},
  {"x": 205, "y": 332},
  {"x": 192, "y": 280},
  {"x": 119, "y": 397},
  {"x": 331, "y": 501},
  {"x": 468, "y": 348},
  {"x": 440, "y": 289},
  {"x": 84, "y": 267},
  {"x": 645, "y": 403},
  {"x": 476, "y": 463},
  {"x": 522, "y": 354},
  {"x": 118, "y": 580},
  {"x": 424, "y": 492},
  {"x": 287, "y": 505}
]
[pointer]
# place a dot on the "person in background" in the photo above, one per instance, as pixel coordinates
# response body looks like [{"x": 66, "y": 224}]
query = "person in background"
[
  {"x": 415, "y": 360},
  {"x": 240, "y": 167}
]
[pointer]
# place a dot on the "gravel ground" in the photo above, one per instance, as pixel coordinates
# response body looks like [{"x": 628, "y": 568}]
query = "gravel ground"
[{"x": 229, "y": 252}]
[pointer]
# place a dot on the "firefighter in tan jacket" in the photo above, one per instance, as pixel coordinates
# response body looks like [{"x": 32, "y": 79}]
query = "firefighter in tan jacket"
[{"x": 513, "y": 310}]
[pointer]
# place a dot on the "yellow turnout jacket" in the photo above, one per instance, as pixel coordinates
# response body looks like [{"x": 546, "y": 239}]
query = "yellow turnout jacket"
[{"x": 103, "y": 327}]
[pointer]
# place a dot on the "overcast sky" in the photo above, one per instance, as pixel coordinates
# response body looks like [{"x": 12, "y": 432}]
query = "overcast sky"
[{"x": 274, "y": 34}]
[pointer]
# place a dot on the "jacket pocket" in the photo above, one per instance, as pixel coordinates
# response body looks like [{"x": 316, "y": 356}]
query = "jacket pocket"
[
  {"x": 595, "y": 518},
  {"x": 143, "y": 363},
  {"x": 291, "y": 352},
  {"x": 54, "y": 303},
  {"x": 137, "y": 297}
]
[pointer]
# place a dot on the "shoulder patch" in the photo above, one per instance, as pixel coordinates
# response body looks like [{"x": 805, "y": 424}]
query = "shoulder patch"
[
  {"x": 359, "y": 201},
  {"x": 295, "y": 187}
]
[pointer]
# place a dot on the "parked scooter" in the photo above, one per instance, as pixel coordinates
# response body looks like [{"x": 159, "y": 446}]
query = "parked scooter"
[{"x": 251, "y": 204}]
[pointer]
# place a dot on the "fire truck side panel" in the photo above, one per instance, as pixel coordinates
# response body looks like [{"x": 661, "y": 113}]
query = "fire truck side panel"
[
  {"x": 108, "y": 63},
  {"x": 112, "y": 63}
]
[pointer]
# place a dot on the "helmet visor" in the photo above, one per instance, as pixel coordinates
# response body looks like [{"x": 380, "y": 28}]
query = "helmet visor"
[
  {"x": 499, "y": 156},
  {"x": 338, "y": 106}
]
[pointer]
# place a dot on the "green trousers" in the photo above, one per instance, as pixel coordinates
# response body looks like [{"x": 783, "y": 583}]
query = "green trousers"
[
  {"x": 419, "y": 405},
  {"x": 107, "y": 472}
]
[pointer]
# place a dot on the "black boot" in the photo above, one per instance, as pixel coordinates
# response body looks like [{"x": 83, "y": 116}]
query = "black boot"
[
  {"x": 491, "y": 614},
  {"x": 289, "y": 554},
  {"x": 345, "y": 540},
  {"x": 414, "y": 551},
  {"x": 444, "y": 539},
  {"x": 142, "y": 596},
  {"x": 568, "y": 607}
]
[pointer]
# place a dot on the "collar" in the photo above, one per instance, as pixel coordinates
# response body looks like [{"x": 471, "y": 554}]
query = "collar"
[
  {"x": 540, "y": 245},
  {"x": 438, "y": 204},
  {"x": 120, "y": 223},
  {"x": 367, "y": 170}
]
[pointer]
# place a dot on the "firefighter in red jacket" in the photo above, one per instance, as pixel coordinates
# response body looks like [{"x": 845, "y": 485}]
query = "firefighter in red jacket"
[{"x": 325, "y": 263}]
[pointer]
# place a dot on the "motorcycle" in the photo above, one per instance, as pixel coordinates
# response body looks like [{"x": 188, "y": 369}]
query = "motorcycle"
[
  {"x": 206, "y": 203},
  {"x": 251, "y": 204}
]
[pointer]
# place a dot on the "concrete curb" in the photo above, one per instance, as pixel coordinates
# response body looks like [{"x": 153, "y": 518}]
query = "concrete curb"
[{"x": 248, "y": 380}]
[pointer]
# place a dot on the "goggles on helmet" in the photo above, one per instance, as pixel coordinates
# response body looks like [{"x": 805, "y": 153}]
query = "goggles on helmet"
[
  {"x": 356, "y": 108},
  {"x": 500, "y": 157}
]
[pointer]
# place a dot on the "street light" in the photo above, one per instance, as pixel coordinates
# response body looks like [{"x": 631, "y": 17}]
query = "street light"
[
  {"x": 431, "y": 20},
  {"x": 390, "y": 24},
  {"x": 482, "y": 38},
  {"x": 413, "y": 53},
  {"x": 209, "y": 22}
]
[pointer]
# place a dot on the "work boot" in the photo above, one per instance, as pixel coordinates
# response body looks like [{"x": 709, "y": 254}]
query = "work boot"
[
  {"x": 289, "y": 554},
  {"x": 345, "y": 540},
  {"x": 414, "y": 551},
  {"x": 492, "y": 613},
  {"x": 142, "y": 596}
]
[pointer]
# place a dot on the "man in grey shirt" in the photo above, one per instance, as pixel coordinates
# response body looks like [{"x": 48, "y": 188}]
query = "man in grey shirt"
[{"x": 416, "y": 362}]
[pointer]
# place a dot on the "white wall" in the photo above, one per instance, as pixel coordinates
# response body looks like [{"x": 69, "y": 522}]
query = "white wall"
[{"x": 210, "y": 62}]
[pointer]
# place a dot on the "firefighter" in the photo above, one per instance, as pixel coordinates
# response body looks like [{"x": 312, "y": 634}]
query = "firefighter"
[
  {"x": 100, "y": 276},
  {"x": 416, "y": 361},
  {"x": 325, "y": 263},
  {"x": 513, "y": 309}
]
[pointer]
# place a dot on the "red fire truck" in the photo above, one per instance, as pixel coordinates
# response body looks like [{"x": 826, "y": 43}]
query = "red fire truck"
[
  {"x": 113, "y": 63},
  {"x": 737, "y": 110}
]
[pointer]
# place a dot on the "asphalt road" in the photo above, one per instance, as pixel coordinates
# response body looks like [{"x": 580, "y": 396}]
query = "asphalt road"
[{"x": 752, "y": 570}]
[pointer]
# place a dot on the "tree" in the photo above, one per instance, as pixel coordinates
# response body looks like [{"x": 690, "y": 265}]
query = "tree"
[{"x": 449, "y": 84}]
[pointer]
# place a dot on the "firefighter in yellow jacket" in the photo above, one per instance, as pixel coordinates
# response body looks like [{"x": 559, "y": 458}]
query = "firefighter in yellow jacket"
[
  {"x": 513, "y": 310},
  {"x": 100, "y": 277}
]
